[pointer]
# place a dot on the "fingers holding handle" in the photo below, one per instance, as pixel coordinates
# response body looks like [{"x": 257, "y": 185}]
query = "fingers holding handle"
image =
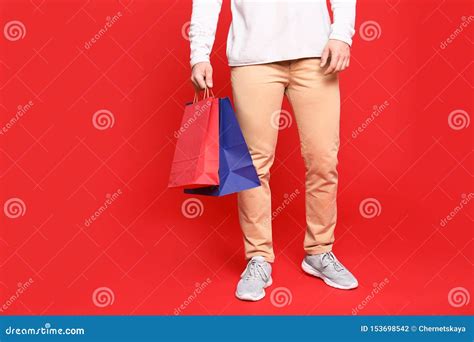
[{"x": 201, "y": 76}]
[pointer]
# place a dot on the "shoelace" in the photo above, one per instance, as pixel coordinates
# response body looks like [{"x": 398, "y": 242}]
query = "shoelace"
[
  {"x": 255, "y": 270},
  {"x": 332, "y": 261}
]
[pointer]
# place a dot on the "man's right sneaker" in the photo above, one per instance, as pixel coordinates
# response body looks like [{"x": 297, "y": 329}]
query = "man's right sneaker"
[{"x": 256, "y": 277}]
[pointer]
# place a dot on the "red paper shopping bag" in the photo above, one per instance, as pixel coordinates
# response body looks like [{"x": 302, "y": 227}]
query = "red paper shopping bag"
[{"x": 196, "y": 157}]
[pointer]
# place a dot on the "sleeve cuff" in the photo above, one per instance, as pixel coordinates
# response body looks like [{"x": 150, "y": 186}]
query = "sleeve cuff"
[
  {"x": 341, "y": 37},
  {"x": 199, "y": 59}
]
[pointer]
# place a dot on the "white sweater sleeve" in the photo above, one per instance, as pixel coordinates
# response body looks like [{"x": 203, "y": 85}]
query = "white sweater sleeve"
[
  {"x": 342, "y": 27},
  {"x": 202, "y": 30}
]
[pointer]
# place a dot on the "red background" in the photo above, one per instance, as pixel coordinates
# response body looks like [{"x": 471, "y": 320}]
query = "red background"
[{"x": 143, "y": 248}]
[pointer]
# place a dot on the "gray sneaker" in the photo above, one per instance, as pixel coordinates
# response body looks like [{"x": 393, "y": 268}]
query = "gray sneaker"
[
  {"x": 329, "y": 269},
  {"x": 254, "y": 279}
]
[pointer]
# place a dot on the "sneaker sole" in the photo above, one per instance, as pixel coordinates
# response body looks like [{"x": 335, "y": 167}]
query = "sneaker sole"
[
  {"x": 249, "y": 298},
  {"x": 312, "y": 271}
]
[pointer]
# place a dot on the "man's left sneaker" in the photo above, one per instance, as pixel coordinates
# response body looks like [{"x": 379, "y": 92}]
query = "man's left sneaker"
[{"x": 328, "y": 268}]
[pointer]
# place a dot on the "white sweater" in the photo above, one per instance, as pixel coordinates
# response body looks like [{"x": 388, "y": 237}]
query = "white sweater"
[{"x": 264, "y": 31}]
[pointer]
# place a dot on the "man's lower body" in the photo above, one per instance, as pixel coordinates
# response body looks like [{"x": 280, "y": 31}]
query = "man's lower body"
[{"x": 258, "y": 92}]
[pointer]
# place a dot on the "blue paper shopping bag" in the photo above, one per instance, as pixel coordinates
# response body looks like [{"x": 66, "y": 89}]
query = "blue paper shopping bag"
[{"x": 236, "y": 169}]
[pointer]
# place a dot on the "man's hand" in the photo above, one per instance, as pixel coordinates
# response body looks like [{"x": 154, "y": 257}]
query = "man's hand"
[
  {"x": 201, "y": 75},
  {"x": 338, "y": 54}
]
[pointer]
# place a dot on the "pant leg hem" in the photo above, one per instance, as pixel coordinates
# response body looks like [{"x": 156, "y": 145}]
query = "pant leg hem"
[
  {"x": 268, "y": 258},
  {"x": 319, "y": 250}
]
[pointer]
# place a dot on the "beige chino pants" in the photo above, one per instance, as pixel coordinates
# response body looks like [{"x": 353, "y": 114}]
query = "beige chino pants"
[{"x": 258, "y": 92}]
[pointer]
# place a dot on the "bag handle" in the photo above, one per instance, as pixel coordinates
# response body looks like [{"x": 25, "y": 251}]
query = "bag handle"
[{"x": 207, "y": 93}]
